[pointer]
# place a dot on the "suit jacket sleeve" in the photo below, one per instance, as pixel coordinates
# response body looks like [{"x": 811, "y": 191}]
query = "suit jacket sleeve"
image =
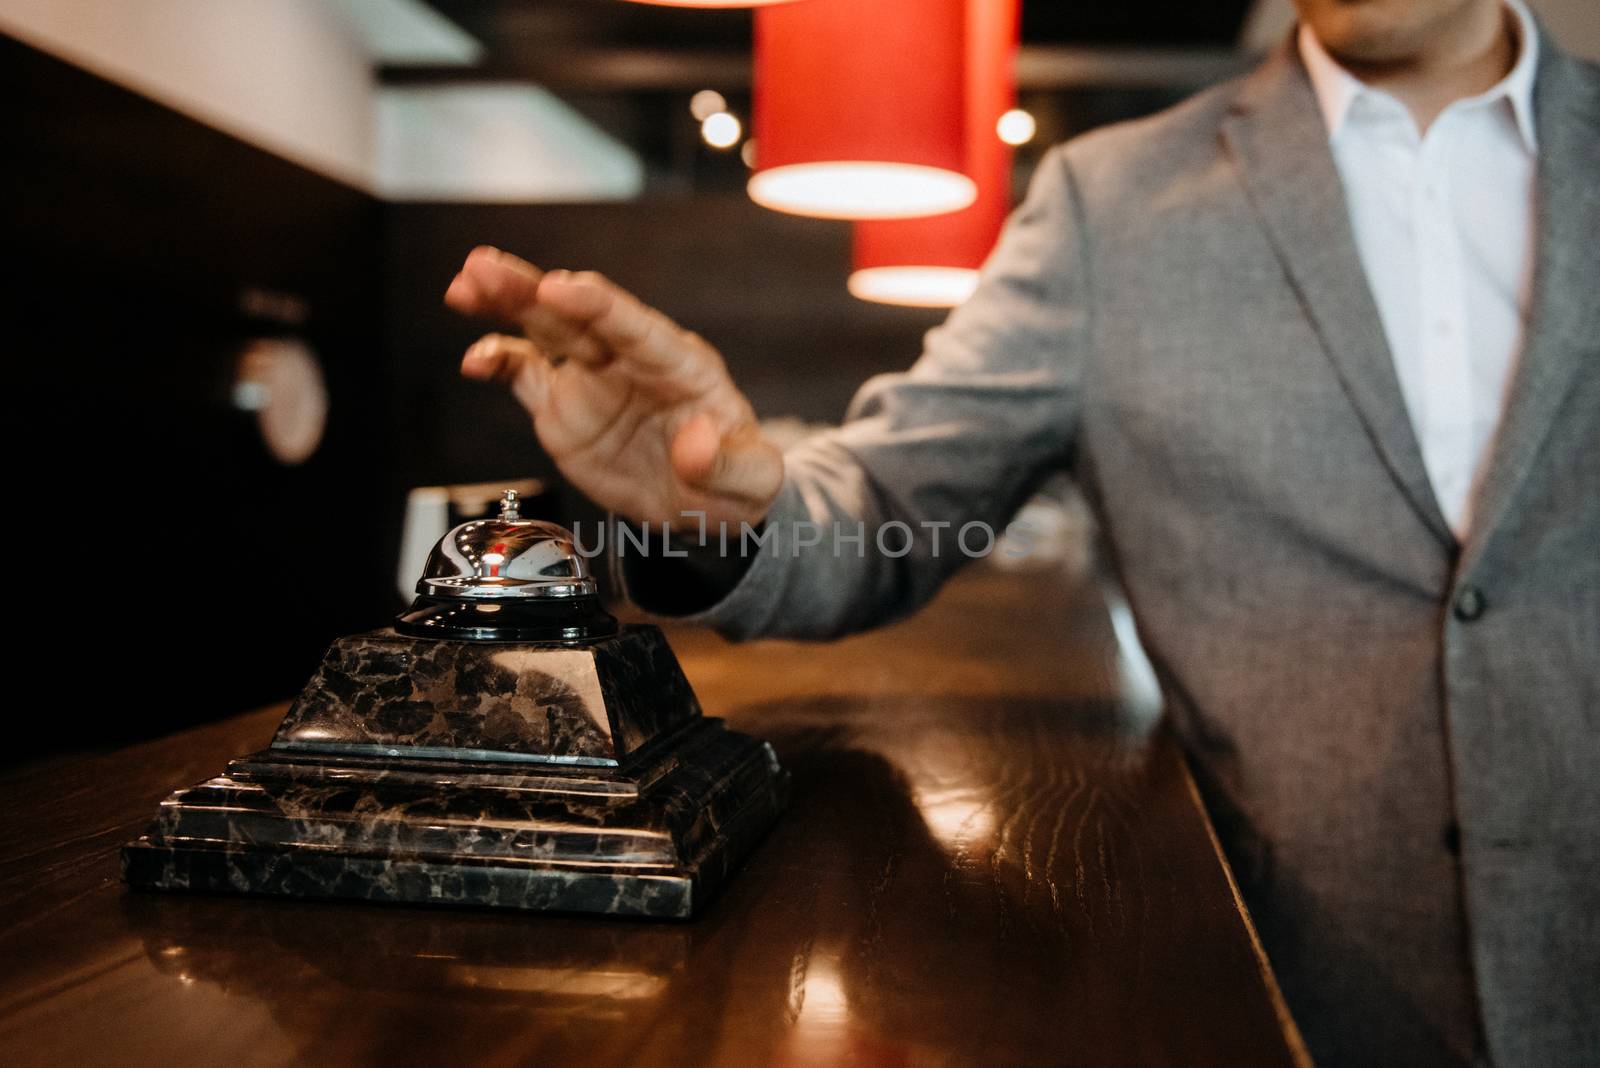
[{"x": 964, "y": 436}]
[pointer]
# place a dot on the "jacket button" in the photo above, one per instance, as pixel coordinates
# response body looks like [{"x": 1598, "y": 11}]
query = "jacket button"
[
  {"x": 1452, "y": 838},
  {"x": 1470, "y": 604}
]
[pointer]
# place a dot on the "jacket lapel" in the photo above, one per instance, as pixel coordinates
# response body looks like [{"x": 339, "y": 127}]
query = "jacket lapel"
[
  {"x": 1279, "y": 144},
  {"x": 1564, "y": 330}
]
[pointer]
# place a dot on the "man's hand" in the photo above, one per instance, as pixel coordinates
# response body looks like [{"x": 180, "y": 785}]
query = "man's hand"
[{"x": 637, "y": 412}]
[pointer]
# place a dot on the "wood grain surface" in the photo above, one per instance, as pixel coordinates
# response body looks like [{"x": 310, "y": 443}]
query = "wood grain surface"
[{"x": 985, "y": 862}]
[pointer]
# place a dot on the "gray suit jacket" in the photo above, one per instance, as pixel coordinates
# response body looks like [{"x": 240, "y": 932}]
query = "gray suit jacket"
[{"x": 1399, "y": 735}]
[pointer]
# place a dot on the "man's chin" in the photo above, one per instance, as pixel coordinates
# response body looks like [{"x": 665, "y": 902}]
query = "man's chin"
[
  {"x": 1364, "y": 38},
  {"x": 1372, "y": 31}
]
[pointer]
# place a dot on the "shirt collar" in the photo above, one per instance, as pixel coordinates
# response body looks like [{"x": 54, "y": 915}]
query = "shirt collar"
[{"x": 1337, "y": 89}]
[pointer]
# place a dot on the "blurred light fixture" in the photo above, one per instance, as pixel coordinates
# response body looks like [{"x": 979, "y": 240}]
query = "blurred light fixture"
[
  {"x": 406, "y": 33},
  {"x": 747, "y": 152},
  {"x": 933, "y": 262},
  {"x": 914, "y": 287},
  {"x": 496, "y": 142},
  {"x": 721, "y": 130},
  {"x": 705, "y": 103},
  {"x": 280, "y": 382},
  {"x": 860, "y": 109},
  {"x": 1016, "y": 127}
]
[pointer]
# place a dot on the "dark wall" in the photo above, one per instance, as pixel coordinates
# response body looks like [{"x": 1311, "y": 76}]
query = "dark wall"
[{"x": 171, "y": 570}]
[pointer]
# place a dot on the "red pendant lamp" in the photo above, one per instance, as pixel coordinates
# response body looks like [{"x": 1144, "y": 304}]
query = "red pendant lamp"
[
  {"x": 933, "y": 262},
  {"x": 860, "y": 108}
]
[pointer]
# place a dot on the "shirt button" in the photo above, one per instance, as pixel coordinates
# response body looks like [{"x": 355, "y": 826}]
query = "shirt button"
[{"x": 1470, "y": 604}]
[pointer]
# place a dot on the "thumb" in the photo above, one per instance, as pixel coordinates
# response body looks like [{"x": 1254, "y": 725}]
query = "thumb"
[{"x": 741, "y": 464}]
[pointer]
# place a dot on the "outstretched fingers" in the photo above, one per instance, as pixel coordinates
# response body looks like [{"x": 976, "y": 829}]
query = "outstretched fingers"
[
  {"x": 499, "y": 286},
  {"x": 617, "y": 321},
  {"x": 514, "y": 361},
  {"x": 495, "y": 285}
]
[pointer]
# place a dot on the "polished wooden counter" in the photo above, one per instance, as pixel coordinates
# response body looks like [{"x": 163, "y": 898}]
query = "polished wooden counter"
[{"x": 985, "y": 862}]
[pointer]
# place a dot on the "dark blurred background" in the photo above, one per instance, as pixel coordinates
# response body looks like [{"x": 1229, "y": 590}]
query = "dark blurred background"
[{"x": 179, "y": 572}]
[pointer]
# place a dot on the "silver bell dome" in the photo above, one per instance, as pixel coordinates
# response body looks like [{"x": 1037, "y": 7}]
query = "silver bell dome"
[
  {"x": 506, "y": 557},
  {"x": 507, "y": 579}
]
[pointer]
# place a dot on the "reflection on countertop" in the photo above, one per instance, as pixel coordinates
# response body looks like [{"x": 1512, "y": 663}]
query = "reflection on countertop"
[{"x": 985, "y": 861}]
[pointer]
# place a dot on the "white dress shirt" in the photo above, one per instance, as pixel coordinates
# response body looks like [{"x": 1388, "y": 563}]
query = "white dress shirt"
[{"x": 1444, "y": 225}]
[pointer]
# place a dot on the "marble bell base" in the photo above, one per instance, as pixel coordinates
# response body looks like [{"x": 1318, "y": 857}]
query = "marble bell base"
[{"x": 575, "y": 778}]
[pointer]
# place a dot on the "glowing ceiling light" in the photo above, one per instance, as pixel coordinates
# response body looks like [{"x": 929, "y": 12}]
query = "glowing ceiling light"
[
  {"x": 933, "y": 262},
  {"x": 721, "y": 130},
  {"x": 861, "y": 190},
  {"x": 1016, "y": 127},
  {"x": 914, "y": 287},
  {"x": 860, "y": 109}
]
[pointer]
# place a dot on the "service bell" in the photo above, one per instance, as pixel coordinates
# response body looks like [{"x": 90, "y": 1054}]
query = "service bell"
[{"x": 505, "y": 744}]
